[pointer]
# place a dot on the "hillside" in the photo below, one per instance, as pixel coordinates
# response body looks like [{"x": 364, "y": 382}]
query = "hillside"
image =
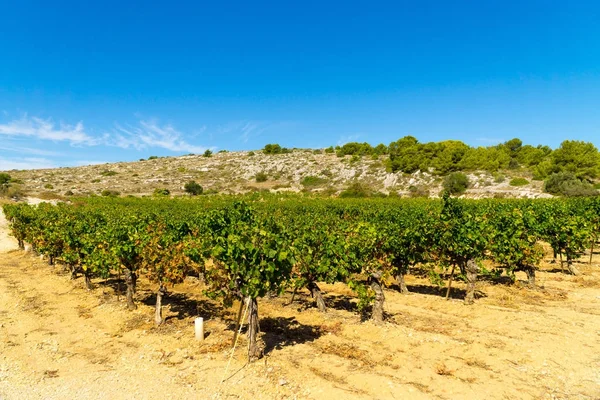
[{"x": 236, "y": 172}]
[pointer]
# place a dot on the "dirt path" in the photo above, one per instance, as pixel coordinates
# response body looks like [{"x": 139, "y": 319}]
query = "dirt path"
[{"x": 59, "y": 341}]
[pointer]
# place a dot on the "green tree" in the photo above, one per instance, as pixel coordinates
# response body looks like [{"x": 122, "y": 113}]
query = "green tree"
[
  {"x": 578, "y": 157},
  {"x": 193, "y": 188}
]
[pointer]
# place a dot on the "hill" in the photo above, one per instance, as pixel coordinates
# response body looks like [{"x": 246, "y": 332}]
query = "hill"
[{"x": 405, "y": 167}]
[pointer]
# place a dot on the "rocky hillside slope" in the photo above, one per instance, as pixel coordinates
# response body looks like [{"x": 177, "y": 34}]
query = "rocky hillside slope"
[{"x": 240, "y": 172}]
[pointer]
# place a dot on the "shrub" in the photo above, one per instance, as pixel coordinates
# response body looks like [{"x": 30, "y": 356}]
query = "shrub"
[
  {"x": 274, "y": 148},
  {"x": 567, "y": 184},
  {"x": 181, "y": 169},
  {"x": 456, "y": 183},
  {"x": 69, "y": 193},
  {"x": 207, "y": 153},
  {"x": 312, "y": 181},
  {"x": 152, "y": 157},
  {"x": 95, "y": 180},
  {"x": 251, "y": 153},
  {"x": 418, "y": 191},
  {"x": 261, "y": 177},
  {"x": 110, "y": 193},
  {"x": 4, "y": 179},
  {"x": 161, "y": 192},
  {"x": 193, "y": 188},
  {"x": 356, "y": 189},
  {"x": 223, "y": 151},
  {"x": 518, "y": 182},
  {"x": 108, "y": 173},
  {"x": 48, "y": 186},
  {"x": 330, "y": 150}
]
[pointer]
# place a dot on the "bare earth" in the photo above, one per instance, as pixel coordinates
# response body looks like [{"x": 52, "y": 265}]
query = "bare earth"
[{"x": 59, "y": 341}]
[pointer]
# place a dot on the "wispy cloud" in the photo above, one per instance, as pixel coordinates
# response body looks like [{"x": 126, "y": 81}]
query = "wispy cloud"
[
  {"x": 7, "y": 164},
  {"x": 29, "y": 151},
  {"x": 150, "y": 134},
  {"x": 346, "y": 139},
  {"x": 245, "y": 129},
  {"x": 47, "y": 129}
]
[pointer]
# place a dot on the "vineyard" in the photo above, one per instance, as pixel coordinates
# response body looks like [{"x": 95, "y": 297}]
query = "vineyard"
[{"x": 248, "y": 247}]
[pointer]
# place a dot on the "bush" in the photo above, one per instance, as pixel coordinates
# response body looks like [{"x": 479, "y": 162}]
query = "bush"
[
  {"x": 312, "y": 181},
  {"x": 95, "y": 180},
  {"x": 193, "y": 188},
  {"x": 456, "y": 183},
  {"x": 4, "y": 179},
  {"x": 567, "y": 184},
  {"x": 208, "y": 153},
  {"x": 251, "y": 153},
  {"x": 518, "y": 182},
  {"x": 152, "y": 157},
  {"x": 110, "y": 193},
  {"x": 108, "y": 173},
  {"x": 69, "y": 193},
  {"x": 418, "y": 191},
  {"x": 274, "y": 148},
  {"x": 261, "y": 177},
  {"x": 330, "y": 150},
  {"x": 161, "y": 192},
  {"x": 357, "y": 189},
  {"x": 48, "y": 186}
]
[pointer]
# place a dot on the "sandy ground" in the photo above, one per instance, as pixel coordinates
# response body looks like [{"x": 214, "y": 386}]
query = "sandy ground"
[{"x": 59, "y": 341}]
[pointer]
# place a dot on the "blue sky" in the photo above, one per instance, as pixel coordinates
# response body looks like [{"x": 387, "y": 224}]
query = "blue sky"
[{"x": 88, "y": 82}]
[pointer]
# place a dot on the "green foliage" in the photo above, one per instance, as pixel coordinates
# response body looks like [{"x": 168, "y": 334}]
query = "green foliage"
[
  {"x": 110, "y": 193},
  {"x": 251, "y": 153},
  {"x": 108, "y": 173},
  {"x": 456, "y": 183},
  {"x": 576, "y": 157},
  {"x": 518, "y": 182},
  {"x": 261, "y": 177},
  {"x": 356, "y": 190},
  {"x": 161, "y": 192},
  {"x": 567, "y": 184},
  {"x": 418, "y": 191},
  {"x": 193, "y": 188},
  {"x": 5, "y": 179},
  {"x": 275, "y": 149},
  {"x": 310, "y": 182},
  {"x": 207, "y": 153},
  {"x": 152, "y": 157},
  {"x": 48, "y": 186},
  {"x": 329, "y": 150}
]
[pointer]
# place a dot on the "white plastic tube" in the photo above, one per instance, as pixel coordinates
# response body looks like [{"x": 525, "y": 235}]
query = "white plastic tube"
[{"x": 199, "y": 328}]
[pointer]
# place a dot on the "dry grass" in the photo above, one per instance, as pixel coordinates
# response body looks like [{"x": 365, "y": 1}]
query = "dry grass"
[
  {"x": 348, "y": 351},
  {"x": 442, "y": 369}
]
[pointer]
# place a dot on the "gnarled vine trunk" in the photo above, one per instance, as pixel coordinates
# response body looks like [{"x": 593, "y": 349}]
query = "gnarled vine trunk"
[
  {"x": 377, "y": 315},
  {"x": 471, "y": 271},
  {"x": 158, "y": 317},
  {"x": 73, "y": 271},
  {"x": 530, "y": 271},
  {"x": 316, "y": 294},
  {"x": 255, "y": 348},
  {"x": 50, "y": 260},
  {"x": 450, "y": 282},
  {"x": 88, "y": 280},
  {"x": 21, "y": 244},
  {"x": 402, "y": 283},
  {"x": 130, "y": 279},
  {"x": 570, "y": 266}
]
